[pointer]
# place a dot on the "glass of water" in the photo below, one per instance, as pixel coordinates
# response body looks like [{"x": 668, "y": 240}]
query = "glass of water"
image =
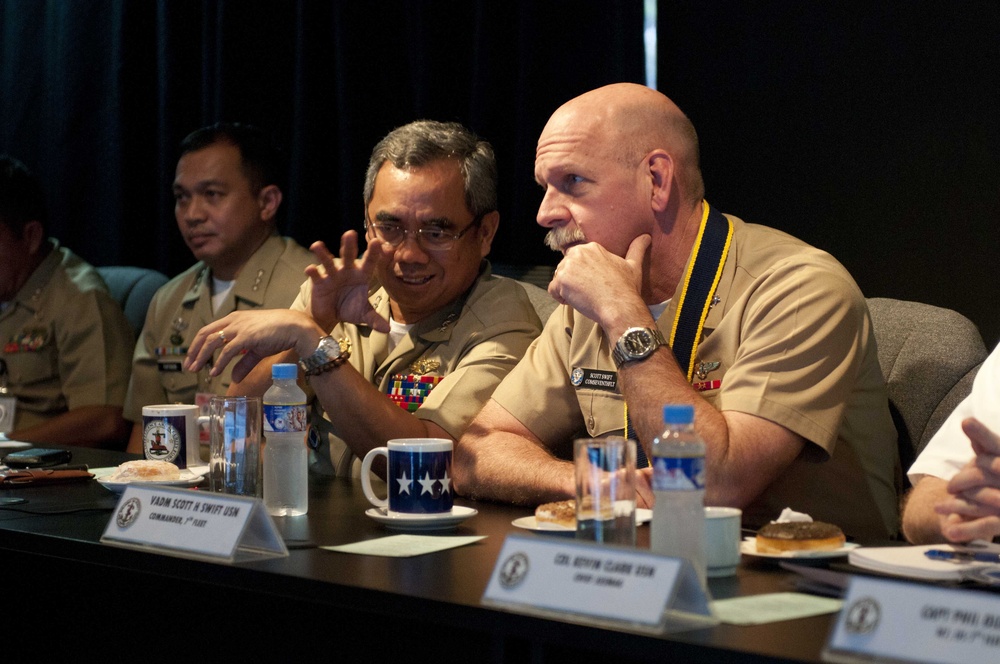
[{"x": 605, "y": 490}]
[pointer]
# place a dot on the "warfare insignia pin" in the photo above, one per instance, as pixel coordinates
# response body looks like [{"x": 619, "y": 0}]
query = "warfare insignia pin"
[
  {"x": 424, "y": 366},
  {"x": 704, "y": 368}
]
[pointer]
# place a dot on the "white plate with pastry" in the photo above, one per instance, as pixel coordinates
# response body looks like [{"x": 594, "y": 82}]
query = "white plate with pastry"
[
  {"x": 749, "y": 547},
  {"x": 797, "y": 539},
  {"x": 531, "y": 523},
  {"x": 146, "y": 472}
]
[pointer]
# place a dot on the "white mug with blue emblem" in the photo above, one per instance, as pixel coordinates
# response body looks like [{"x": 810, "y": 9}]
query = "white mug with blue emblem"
[
  {"x": 170, "y": 433},
  {"x": 418, "y": 476}
]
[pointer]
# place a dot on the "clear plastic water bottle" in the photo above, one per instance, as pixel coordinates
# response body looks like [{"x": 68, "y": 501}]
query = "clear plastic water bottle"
[
  {"x": 286, "y": 457},
  {"x": 678, "y": 527}
]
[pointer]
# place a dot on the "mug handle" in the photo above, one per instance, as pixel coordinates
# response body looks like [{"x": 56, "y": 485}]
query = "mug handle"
[{"x": 366, "y": 481}]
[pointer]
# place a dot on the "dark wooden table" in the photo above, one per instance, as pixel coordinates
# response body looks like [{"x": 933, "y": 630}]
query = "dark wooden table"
[{"x": 425, "y": 608}]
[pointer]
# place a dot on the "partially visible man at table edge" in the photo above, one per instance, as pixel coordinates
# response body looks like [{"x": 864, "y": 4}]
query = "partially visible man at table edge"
[
  {"x": 786, "y": 384},
  {"x": 65, "y": 341},
  {"x": 956, "y": 477},
  {"x": 227, "y": 191},
  {"x": 410, "y": 339}
]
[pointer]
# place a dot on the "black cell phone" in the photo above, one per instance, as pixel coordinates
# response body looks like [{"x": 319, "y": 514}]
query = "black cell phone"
[{"x": 37, "y": 458}]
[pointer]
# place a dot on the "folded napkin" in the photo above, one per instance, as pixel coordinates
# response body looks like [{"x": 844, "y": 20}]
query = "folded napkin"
[{"x": 788, "y": 515}]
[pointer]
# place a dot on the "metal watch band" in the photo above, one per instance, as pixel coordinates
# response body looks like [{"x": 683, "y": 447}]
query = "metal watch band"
[
  {"x": 329, "y": 354},
  {"x": 621, "y": 354}
]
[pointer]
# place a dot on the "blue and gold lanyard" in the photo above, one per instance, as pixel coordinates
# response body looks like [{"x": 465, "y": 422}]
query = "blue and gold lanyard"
[{"x": 700, "y": 281}]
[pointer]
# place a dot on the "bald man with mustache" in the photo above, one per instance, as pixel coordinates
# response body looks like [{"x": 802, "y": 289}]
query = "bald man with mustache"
[{"x": 667, "y": 300}]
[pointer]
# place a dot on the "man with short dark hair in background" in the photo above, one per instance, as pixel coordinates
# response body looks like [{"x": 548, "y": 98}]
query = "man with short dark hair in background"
[
  {"x": 227, "y": 190},
  {"x": 64, "y": 341}
]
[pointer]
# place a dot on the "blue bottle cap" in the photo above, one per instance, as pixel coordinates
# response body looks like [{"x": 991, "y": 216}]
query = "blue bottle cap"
[
  {"x": 283, "y": 371},
  {"x": 678, "y": 414}
]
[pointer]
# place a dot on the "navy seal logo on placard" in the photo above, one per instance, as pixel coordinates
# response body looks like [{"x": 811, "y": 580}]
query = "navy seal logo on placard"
[
  {"x": 862, "y": 616},
  {"x": 513, "y": 571},
  {"x": 576, "y": 377},
  {"x": 128, "y": 513}
]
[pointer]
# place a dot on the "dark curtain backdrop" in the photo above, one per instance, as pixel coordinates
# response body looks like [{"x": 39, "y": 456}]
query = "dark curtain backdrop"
[
  {"x": 95, "y": 95},
  {"x": 869, "y": 129}
]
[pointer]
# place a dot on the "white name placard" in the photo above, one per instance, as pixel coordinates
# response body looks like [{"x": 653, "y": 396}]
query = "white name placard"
[
  {"x": 915, "y": 622},
  {"x": 597, "y": 584},
  {"x": 194, "y": 524}
]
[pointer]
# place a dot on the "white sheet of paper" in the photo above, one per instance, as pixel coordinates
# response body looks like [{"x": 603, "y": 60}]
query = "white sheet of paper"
[
  {"x": 404, "y": 546},
  {"x": 772, "y": 607}
]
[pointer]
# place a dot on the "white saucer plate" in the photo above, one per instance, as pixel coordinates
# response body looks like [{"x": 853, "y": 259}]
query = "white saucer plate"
[
  {"x": 7, "y": 445},
  {"x": 749, "y": 548},
  {"x": 529, "y": 523},
  {"x": 445, "y": 521},
  {"x": 189, "y": 477}
]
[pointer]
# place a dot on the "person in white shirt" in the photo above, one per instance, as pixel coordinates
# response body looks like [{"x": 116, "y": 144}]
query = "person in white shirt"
[{"x": 956, "y": 478}]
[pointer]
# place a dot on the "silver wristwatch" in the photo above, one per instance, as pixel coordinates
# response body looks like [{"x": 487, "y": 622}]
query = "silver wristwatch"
[
  {"x": 329, "y": 354},
  {"x": 637, "y": 343}
]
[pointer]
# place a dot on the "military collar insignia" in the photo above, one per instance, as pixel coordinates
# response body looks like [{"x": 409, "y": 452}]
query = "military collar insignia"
[{"x": 452, "y": 317}]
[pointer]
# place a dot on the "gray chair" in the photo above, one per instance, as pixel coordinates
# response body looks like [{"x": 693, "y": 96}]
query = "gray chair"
[
  {"x": 133, "y": 287},
  {"x": 539, "y": 275},
  {"x": 535, "y": 280},
  {"x": 929, "y": 357},
  {"x": 540, "y": 299}
]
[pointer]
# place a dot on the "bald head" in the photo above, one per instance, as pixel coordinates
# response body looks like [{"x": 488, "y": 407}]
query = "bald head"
[{"x": 630, "y": 121}]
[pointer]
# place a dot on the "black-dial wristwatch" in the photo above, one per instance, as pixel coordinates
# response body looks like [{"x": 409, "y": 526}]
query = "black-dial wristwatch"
[
  {"x": 637, "y": 343},
  {"x": 329, "y": 354}
]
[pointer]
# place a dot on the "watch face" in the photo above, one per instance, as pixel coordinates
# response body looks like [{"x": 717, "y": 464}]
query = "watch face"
[{"x": 638, "y": 343}]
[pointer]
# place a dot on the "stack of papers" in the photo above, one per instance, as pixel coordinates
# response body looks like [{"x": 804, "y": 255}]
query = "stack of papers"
[{"x": 911, "y": 561}]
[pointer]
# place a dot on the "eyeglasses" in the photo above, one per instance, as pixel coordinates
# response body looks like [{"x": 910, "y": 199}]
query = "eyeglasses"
[{"x": 430, "y": 238}]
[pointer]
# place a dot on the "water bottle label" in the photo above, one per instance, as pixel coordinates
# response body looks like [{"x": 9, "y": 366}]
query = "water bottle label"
[
  {"x": 285, "y": 418},
  {"x": 678, "y": 473}
]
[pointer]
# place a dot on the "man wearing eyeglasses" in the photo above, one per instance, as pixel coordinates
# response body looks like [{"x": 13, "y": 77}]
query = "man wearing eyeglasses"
[{"x": 410, "y": 339}]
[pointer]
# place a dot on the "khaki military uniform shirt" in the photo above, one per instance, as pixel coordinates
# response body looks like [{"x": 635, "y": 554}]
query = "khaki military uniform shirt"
[
  {"x": 471, "y": 344},
  {"x": 65, "y": 341},
  {"x": 794, "y": 345},
  {"x": 269, "y": 280}
]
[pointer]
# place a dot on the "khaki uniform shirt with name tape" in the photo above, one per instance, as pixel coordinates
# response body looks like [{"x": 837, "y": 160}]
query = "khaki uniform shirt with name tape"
[
  {"x": 269, "y": 280},
  {"x": 794, "y": 345},
  {"x": 472, "y": 344},
  {"x": 65, "y": 340}
]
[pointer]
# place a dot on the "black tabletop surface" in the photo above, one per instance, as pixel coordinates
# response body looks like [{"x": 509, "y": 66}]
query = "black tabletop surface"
[{"x": 318, "y": 599}]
